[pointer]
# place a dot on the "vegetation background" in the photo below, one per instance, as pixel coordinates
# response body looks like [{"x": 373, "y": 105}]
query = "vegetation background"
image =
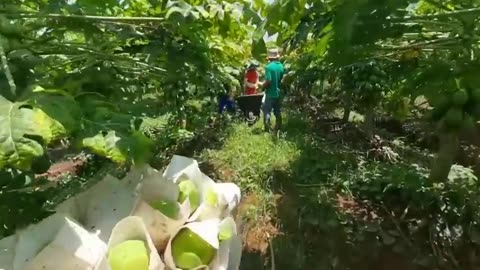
[{"x": 377, "y": 166}]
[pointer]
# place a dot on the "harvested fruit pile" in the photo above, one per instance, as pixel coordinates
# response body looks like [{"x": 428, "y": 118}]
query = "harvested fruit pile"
[{"x": 179, "y": 219}]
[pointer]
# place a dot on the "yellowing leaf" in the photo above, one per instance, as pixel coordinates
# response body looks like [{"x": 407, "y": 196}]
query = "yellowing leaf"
[
  {"x": 19, "y": 135},
  {"x": 50, "y": 129}
]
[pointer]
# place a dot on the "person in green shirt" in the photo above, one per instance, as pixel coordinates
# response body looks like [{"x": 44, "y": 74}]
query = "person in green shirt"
[{"x": 274, "y": 72}]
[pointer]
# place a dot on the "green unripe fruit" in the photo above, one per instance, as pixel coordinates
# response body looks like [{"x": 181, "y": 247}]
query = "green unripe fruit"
[
  {"x": 189, "y": 190},
  {"x": 190, "y": 251},
  {"x": 169, "y": 209},
  {"x": 475, "y": 94},
  {"x": 469, "y": 122},
  {"x": 454, "y": 118},
  {"x": 5, "y": 44},
  {"x": 129, "y": 255},
  {"x": 460, "y": 97}
]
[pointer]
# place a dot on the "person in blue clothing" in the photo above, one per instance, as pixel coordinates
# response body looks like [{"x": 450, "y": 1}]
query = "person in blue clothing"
[
  {"x": 274, "y": 72},
  {"x": 226, "y": 101}
]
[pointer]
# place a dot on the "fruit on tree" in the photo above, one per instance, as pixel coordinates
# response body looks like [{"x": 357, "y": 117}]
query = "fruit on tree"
[
  {"x": 189, "y": 250},
  {"x": 169, "y": 209},
  {"x": 468, "y": 122},
  {"x": 4, "y": 43},
  {"x": 129, "y": 255},
  {"x": 475, "y": 94},
  {"x": 454, "y": 118},
  {"x": 460, "y": 97},
  {"x": 189, "y": 190},
  {"x": 9, "y": 28}
]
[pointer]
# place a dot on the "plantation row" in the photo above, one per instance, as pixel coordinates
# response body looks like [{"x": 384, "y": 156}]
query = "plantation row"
[{"x": 129, "y": 81}]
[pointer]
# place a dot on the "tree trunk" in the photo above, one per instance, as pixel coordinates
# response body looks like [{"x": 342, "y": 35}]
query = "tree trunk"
[
  {"x": 347, "y": 109},
  {"x": 447, "y": 152},
  {"x": 346, "y": 113},
  {"x": 369, "y": 121}
]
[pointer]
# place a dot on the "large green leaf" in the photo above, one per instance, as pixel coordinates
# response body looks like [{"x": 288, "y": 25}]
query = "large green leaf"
[
  {"x": 116, "y": 136},
  {"x": 20, "y": 135},
  {"x": 61, "y": 108},
  {"x": 120, "y": 147}
]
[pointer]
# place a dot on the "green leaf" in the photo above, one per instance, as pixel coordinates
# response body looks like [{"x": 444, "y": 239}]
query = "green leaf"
[
  {"x": 19, "y": 135},
  {"x": 64, "y": 111},
  {"x": 116, "y": 136},
  {"x": 106, "y": 145},
  {"x": 259, "y": 48}
]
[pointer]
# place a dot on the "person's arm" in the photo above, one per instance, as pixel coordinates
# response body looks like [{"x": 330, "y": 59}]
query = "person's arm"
[{"x": 268, "y": 79}]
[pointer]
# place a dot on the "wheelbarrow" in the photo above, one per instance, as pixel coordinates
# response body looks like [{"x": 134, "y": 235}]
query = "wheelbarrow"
[{"x": 250, "y": 106}]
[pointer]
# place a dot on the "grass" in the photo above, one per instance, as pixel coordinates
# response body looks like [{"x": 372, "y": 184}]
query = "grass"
[
  {"x": 320, "y": 201},
  {"x": 248, "y": 157},
  {"x": 278, "y": 172}
]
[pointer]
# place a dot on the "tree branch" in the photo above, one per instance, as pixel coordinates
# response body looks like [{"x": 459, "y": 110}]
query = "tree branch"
[
  {"x": 86, "y": 17},
  {"x": 421, "y": 44},
  {"x": 437, "y": 16},
  {"x": 6, "y": 70}
]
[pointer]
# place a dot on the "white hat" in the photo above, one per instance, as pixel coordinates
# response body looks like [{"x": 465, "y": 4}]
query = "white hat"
[{"x": 273, "y": 54}]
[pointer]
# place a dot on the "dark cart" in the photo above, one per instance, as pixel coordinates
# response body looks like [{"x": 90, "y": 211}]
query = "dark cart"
[{"x": 250, "y": 106}]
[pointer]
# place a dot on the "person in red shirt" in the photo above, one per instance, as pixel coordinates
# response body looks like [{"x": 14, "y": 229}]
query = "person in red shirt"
[{"x": 251, "y": 80}]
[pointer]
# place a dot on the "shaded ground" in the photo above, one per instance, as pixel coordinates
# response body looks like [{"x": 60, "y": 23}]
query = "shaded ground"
[{"x": 322, "y": 196}]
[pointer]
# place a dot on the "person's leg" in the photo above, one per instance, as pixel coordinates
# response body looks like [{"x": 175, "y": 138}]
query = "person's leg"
[
  {"x": 267, "y": 108},
  {"x": 277, "y": 104}
]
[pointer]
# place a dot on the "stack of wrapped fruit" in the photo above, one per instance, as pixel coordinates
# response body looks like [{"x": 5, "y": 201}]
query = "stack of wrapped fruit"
[{"x": 178, "y": 219}]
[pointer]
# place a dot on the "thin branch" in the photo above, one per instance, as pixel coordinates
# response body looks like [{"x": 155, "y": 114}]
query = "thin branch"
[
  {"x": 421, "y": 44},
  {"x": 6, "y": 70},
  {"x": 85, "y": 49},
  {"x": 87, "y": 17},
  {"x": 438, "y": 16}
]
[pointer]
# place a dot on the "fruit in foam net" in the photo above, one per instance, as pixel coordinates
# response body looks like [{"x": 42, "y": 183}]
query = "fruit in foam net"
[
  {"x": 211, "y": 197},
  {"x": 189, "y": 190},
  {"x": 189, "y": 250},
  {"x": 169, "y": 209},
  {"x": 129, "y": 255}
]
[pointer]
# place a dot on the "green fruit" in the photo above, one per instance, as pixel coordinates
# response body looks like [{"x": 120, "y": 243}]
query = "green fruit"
[
  {"x": 186, "y": 243},
  {"x": 454, "y": 118},
  {"x": 476, "y": 111},
  {"x": 188, "y": 260},
  {"x": 15, "y": 44},
  {"x": 460, "y": 98},
  {"x": 211, "y": 197},
  {"x": 476, "y": 95},
  {"x": 129, "y": 255},
  {"x": 5, "y": 44},
  {"x": 189, "y": 190},
  {"x": 469, "y": 122},
  {"x": 169, "y": 209},
  {"x": 10, "y": 29}
]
